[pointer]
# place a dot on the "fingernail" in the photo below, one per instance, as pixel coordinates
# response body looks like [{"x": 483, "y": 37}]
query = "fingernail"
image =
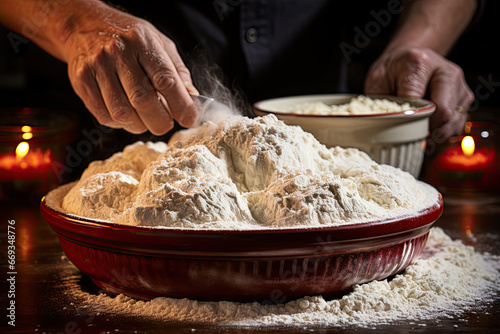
[
  {"x": 186, "y": 122},
  {"x": 191, "y": 88},
  {"x": 410, "y": 96}
]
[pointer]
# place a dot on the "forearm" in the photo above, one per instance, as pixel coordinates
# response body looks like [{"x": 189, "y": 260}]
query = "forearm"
[
  {"x": 48, "y": 23},
  {"x": 434, "y": 24}
]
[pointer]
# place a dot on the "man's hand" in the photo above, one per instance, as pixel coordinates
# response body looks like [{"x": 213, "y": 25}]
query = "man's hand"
[
  {"x": 414, "y": 72},
  {"x": 128, "y": 74}
]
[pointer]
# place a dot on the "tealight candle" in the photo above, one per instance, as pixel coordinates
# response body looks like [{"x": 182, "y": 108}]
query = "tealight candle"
[
  {"x": 467, "y": 162},
  {"x": 32, "y": 141},
  {"x": 25, "y": 164},
  {"x": 465, "y": 158}
]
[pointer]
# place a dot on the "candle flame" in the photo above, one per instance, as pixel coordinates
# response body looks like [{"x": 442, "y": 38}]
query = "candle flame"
[
  {"x": 27, "y": 135},
  {"x": 26, "y": 129},
  {"x": 26, "y": 157},
  {"x": 22, "y": 149},
  {"x": 468, "y": 145}
]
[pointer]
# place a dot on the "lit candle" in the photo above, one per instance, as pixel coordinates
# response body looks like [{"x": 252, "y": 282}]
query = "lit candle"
[
  {"x": 466, "y": 158},
  {"x": 32, "y": 141},
  {"x": 471, "y": 164},
  {"x": 25, "y": 164},
  {"x": 468, "y": 146}
]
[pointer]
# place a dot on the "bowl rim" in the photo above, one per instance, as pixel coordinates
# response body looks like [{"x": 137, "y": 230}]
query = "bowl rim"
[
  {"x": 376, "y": 228},
  {"x": 428, "y": 106}
]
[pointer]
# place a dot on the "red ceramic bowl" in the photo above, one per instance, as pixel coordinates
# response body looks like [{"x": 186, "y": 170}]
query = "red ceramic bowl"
[{"x": 268, "y": 265}]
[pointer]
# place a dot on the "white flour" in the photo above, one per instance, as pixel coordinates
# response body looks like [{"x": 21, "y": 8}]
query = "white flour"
[
  {"x": 244, "y": 174},
  {"x": 357, "y": 106},
  {"x": 447, "y": 280}
]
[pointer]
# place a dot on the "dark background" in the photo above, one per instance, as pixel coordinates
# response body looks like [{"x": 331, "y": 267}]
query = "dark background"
[{"x": 29, "y": 77}]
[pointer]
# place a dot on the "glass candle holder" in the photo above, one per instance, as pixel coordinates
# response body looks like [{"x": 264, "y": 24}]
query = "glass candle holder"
[
  {"x": 33, "y": 141},
  {"x": 467, "y": 163}
]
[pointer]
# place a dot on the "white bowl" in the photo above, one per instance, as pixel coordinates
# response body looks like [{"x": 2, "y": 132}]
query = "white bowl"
[{"x": 396, "y": 139}]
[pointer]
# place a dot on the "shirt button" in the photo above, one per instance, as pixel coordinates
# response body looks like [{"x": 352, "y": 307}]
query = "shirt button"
[{"x": 251, "y": 35}]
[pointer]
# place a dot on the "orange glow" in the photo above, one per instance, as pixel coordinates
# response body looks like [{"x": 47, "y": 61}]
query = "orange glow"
[
  {"x": 26, "y": 129},
  {"x": 22, "y": 149},
  {"x": 467, "y": 127},
  {"x": 27, "y": 135},
  {"x": 468, "y": 146},
  {"x": 25, "y": 158}
]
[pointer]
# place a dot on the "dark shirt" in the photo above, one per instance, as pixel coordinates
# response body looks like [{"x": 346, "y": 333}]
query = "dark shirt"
[{"x": 270, "y": 48}]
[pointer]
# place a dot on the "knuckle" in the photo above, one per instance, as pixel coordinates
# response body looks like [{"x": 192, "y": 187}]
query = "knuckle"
[
  {"x": 412, "y": 83},
  {"x": 135, "y": 34},
  {"x": 169, "y": 44},
  {"x": 100, "y": 57},
  {"x": 120, "y": 113},
  {"x": 139, "y": 97},
  {"x": 418, "y": 69},
  {"x": 416, "y": 63},
  {"x": 116, "y": 47},
  {"x": 456, "y": 72},
  {"x": 469, "y": 97},
  {"x": 119, "y": 109},
  {"x": 376, "y": 73},
  {"x": 163, "y": 80},
  {"x": 418, "y": 56},
  {"x": 184, "y": 70},
  {"x": 81, "y": 70},
  {"x": 81, "y": 78}
]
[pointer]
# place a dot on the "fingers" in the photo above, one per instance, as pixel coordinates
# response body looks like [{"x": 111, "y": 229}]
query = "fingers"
[
  {"x": 143, "y": 99},
  {"x": 119, "y": 73},
  {"x": 377, "y": 80},
  {"x": 83, "y": 80},
  {"x": 117, "y": 102},
  {"x": 169, "y": 80},
  {"x": 181, "y": 69},
  {"x": 405, "y": 74},
  {"x": 416, "y": 72},
  {"x": 452, "y": 96},
  {"x": 101, "y": 91}
]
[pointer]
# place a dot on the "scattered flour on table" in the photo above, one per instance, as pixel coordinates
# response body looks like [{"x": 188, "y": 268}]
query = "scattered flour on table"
[
  {"x": 356, "y": 106},
  {"x": 244, "y": 173},
  {"x": 257, "y": 173},
  {"x": 447, "y": 280}
]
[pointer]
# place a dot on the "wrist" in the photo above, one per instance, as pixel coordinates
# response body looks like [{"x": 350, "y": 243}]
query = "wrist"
[
  {"x": 76, "y": 18},
  {"x": 435, "y": 25},
  {"x": 413, "y": 39}
]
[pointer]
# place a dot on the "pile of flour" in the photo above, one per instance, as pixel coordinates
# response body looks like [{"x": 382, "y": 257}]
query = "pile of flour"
[
  {"x": 448, "y": 279},
  {"x": 244, "y": 173},
  {"x": 357, "y": 106}
]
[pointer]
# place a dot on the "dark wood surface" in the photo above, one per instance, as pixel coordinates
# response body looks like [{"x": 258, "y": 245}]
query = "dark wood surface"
[{"x": 44, "y": 276}]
